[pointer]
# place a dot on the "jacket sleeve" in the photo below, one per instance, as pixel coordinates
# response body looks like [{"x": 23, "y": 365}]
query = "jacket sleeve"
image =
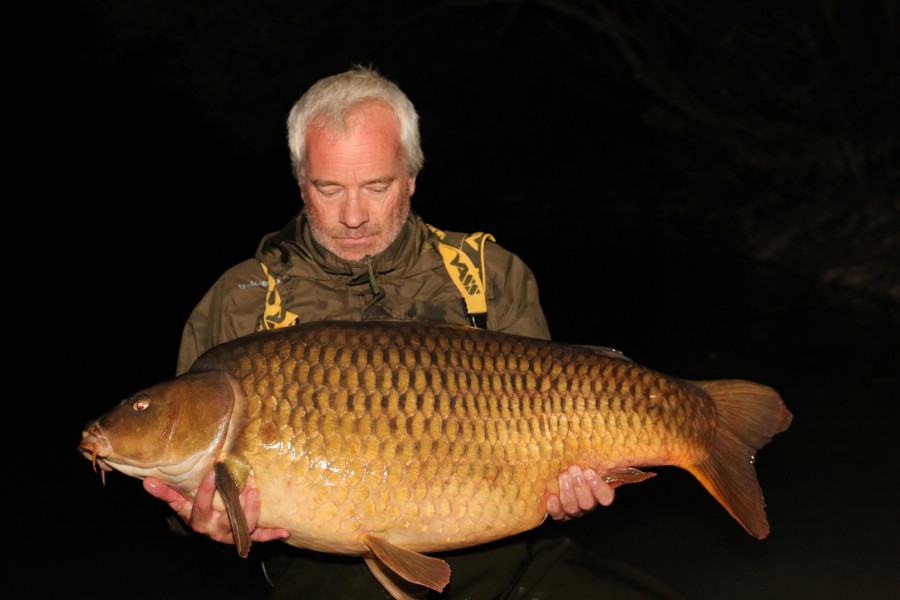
[
  {"x": 230, "y": 309},
  {"x": 513, "y": 300}
]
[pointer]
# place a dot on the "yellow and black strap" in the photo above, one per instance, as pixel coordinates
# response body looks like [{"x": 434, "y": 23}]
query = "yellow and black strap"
[
  {"x": 465, "y": 263},
  {"x": 274, "y": 315}
]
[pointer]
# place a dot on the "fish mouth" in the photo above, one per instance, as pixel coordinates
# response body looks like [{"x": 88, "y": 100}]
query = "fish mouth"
[{"x": 95, "y": 447}]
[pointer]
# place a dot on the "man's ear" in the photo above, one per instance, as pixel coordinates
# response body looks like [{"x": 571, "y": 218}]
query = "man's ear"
[{"x": 412, "y": 184}]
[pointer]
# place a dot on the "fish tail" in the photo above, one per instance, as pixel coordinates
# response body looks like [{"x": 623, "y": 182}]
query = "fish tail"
[{"x": 749, "y": 415}]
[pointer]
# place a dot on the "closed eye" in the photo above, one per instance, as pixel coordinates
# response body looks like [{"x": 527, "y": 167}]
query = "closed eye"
[{"x": 330, "y": 191}]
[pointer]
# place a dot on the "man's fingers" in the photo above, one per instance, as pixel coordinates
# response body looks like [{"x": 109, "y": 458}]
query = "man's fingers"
[
  {"x": 205, "y": 492},
  {"x": 584, "y": 496},
  {"x": 580, "y": 490},
  {"x": 250, "y": 500},
  {"x": 160, "y": 490},
  {"x": 567, "y": 494},
  {"x": 602, "y": 491},
  {"x": 250, "y": 503},
  {"x": 203, "y": 518},
  {"x": 267, "y": 534},
  {"x": 554, "y": 508}
]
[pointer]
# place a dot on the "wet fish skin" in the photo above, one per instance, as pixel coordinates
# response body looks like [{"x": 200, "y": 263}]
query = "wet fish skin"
[{"x": 400, "y": 438}]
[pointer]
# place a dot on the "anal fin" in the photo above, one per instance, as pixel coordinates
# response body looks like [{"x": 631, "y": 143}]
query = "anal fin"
[
  {"x": 412, "y": 566},
  {"x": 622, "y": 475}
]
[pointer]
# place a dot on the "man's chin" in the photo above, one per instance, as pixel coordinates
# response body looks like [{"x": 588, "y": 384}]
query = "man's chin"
[{"x": 354, "y": 250}]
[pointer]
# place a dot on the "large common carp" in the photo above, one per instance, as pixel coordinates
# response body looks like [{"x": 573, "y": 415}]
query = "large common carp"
[{"x": 391, "y": 439}]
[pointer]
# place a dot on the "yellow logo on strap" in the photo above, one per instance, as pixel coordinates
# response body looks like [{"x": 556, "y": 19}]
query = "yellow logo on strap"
[
  {"x": 274, "y": 315},
  {"x": 466, "y": 267}
]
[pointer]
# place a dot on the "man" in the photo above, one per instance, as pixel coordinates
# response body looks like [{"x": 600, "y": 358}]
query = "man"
[{"x": 357, "y": 252}]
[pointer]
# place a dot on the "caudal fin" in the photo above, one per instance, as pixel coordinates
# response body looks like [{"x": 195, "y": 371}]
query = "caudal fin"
[{"x": 749, "y": 415}]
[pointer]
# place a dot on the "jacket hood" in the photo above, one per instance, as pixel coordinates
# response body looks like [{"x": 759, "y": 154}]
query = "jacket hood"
[{"x": 293, "y": 252}]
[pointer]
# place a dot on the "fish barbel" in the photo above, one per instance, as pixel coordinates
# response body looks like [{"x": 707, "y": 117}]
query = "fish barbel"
[{"x": 388, "y": 440}]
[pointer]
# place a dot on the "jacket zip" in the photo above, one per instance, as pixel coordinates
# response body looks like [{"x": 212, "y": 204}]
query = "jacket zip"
[{"x": 372, "y": 282}]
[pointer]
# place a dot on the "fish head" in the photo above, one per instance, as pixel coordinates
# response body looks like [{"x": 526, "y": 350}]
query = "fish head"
[{"x": 172, "y": 431}]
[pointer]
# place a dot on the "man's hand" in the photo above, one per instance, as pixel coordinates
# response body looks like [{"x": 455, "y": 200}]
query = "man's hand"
[
  {"x": 580, "y": 491},
  {"x": 203, "y": 518}
]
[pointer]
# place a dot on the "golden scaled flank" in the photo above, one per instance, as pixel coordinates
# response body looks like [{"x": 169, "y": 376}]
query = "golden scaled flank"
[{"x": 440, "y": 433}]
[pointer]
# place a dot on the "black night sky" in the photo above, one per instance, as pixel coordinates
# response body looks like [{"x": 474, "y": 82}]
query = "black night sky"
[{"x": 714, "y": 190}]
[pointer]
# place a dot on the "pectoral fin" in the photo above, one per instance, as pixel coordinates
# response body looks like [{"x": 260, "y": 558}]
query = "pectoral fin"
[
  {"x": 230, "y": 479},
  {"x": 431, "y": 572},
  {"x": 623, "y": 475}
]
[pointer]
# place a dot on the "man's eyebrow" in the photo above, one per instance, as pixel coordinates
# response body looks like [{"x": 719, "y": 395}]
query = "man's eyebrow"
[
  {"x": 387, "y": 179},
  {"x": 325, "y": 182}
]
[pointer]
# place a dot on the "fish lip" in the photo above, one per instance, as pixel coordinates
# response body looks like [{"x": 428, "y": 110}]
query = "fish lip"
[{"x": 95, "y": 447}]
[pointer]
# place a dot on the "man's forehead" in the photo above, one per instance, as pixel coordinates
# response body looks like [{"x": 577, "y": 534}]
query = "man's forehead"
[{"x": 365, "y": 112}]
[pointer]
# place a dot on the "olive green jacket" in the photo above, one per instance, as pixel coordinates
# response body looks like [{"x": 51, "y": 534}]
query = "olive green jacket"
[{"x": 406, "y": 281}]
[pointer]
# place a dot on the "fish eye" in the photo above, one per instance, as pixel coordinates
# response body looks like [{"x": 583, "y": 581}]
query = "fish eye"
[{"x": 141, "y": 403}]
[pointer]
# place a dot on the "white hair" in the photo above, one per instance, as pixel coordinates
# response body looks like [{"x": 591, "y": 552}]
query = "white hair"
[{"x": 331, "y": 99}]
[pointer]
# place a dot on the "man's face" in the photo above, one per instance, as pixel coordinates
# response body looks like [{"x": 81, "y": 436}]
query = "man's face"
[{"x": 357, "y": 191}]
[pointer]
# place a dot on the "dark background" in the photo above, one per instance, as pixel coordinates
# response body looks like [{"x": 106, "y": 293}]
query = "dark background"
[{"x": 711, "y": 189}]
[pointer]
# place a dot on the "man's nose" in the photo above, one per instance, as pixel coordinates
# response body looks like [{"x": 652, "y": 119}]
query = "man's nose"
[{"x": 354, "y": 212}]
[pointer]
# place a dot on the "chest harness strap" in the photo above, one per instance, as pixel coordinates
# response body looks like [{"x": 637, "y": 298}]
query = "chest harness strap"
[
  {"x": 465, "y": 263},
  {"x": 274, "y": 315}
]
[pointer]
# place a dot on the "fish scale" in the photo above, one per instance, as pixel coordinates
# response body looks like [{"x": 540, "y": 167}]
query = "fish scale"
[{"x": 391, "y": 439}]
